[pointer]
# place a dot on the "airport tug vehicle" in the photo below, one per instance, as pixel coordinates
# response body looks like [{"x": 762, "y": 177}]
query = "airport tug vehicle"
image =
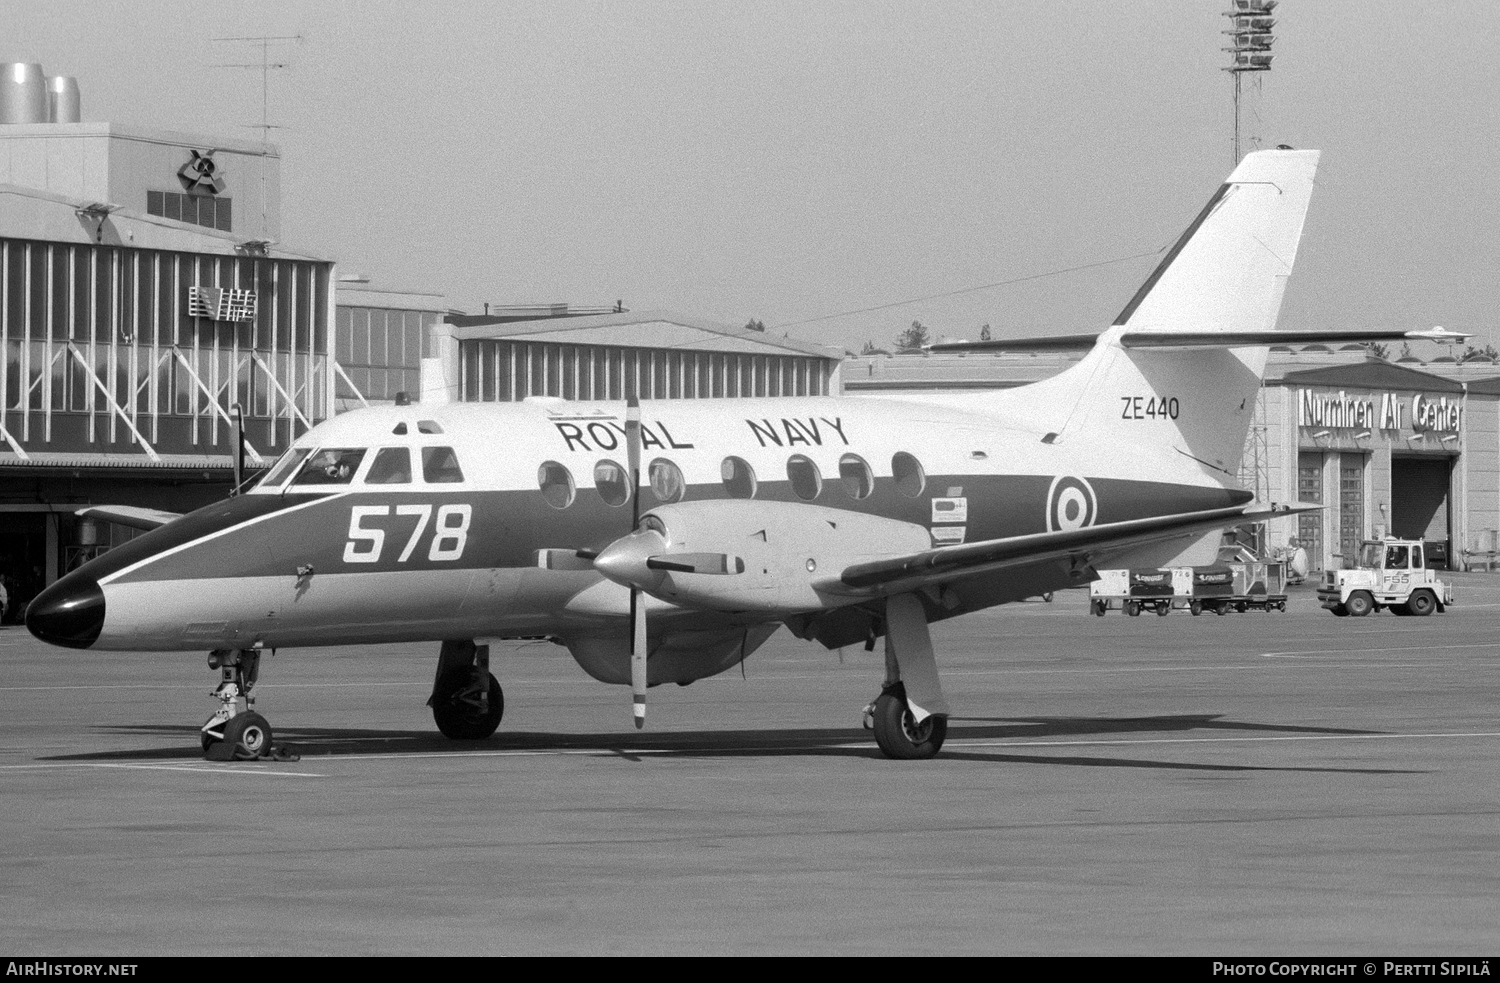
[{"x": 1391, "y": 574}]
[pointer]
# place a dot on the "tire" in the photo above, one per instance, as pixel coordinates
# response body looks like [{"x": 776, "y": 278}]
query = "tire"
[
  {"x": 1360, "y": 603},
  {"x": 898, "y": 736},
  {"x": 1047, "y": 597},
  {"x": 1097, "y": 607},
  {"x": 1281, "y": 606},
  {"x": 1420, "y": 604},
  {"x": 1162, "y": 609},
  {"x": 248, "y": 735},
  {"x": 465, "y": 711},
  {"x": 1133, "y": 609},
  {"x": 1196, "y": 607}
]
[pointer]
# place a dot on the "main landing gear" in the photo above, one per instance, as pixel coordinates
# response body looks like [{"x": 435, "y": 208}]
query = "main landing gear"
[
  {"x": 236, "y": 732},
  {"x": 466, "y": 701},
  {"x": 910, "y": 716}
]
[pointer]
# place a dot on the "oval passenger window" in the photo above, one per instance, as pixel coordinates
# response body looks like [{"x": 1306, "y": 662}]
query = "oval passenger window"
[
  {"x": 739, "y": 477},
  {"x": 856, "y": 477},
  {"x": 612, "y": 483},
  {"x": 804, "y": 476},
  {"x": 910, "y": 478},
  {"x": 556, "y": 483}
]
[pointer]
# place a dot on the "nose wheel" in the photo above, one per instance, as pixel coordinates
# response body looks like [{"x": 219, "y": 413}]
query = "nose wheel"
[{"x": 236, "y": 732}]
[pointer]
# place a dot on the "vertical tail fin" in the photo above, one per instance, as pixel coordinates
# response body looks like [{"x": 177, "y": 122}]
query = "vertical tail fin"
[
  {"x": 1225, "y": 274},
  {"x": 1228, "y": 270}
]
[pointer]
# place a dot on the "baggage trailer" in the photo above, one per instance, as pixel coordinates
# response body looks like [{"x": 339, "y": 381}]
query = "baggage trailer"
[
  {"x": 1140, "y": 590},
  {"x": 1237, "y": 586}
]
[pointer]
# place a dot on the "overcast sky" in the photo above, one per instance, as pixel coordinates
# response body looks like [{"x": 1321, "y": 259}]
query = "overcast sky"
[{"x": 787, "y": 161}]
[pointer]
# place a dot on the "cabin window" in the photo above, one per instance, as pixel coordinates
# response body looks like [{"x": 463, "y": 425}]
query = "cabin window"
[
  {"x": 739, "y": 477},
  {"x": 330, "y": 466},
  {"x": 392, "y": 466},
  {"x": 612, "y": 483},
  {"x": 556, "y": 483},
  {"x": 284, "y": 467},
  {"x": 856, "y": 477},
  {"x": 666, "y": 481},
  {"x": 910, "y": 478},
  {"x": 806, "y": 481},
  {"x": 440, "y": 466}
]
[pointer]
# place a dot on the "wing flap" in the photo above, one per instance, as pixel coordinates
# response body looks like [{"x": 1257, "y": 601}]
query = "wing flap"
[{"x": 1083, "y": 546}]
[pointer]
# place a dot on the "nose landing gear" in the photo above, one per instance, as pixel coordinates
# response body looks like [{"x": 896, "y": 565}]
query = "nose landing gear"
[{"x": 236, "y": 732}]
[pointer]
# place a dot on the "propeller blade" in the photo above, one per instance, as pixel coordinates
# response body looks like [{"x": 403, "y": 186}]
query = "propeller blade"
[
  {"x": 633, "y": 458},
  {"x": 637, "y": 600},
  {"x": 709, "y": 563},
  {"x": 638, "y": 655}
]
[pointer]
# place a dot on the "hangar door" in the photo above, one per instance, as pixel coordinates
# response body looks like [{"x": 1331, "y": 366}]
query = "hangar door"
[{"x": 1419, "y": 500}]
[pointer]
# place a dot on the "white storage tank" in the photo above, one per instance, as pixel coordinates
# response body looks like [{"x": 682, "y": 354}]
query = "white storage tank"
[
  {"x": 23, "y": 93},
  {"x": 63, "y": 103}
]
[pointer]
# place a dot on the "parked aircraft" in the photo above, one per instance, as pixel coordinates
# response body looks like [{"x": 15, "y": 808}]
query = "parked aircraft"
[{"x": 665, "y": 542}]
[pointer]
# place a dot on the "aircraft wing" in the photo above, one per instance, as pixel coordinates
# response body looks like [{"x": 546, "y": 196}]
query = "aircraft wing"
[
  {"x": 128, "y": 515},
  {"x": 1085, "y": 547}
]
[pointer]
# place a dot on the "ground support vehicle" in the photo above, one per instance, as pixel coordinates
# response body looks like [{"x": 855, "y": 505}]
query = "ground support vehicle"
[
  {"x": 1224, "y": 587},
  {"x": 1391, "y": 573}
]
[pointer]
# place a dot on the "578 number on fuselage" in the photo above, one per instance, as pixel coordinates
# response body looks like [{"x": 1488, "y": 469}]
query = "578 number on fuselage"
[{"x": 367, "y": 539}]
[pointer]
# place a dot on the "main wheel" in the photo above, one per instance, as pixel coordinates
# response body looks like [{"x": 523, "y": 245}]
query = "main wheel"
[
  {"x": 468, "y": 705},
  {"x": 901, "y": 737},
  {"x": 1360, "y": 603},
  {"x": 1421, "y": 604},
  {"x": 248, "y": 736}
]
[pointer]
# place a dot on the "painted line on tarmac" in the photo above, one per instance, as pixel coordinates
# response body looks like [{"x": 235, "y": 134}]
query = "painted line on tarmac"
[
  {"x": 1225, "y": 740},
  {"x": 1303, "y": 653},
  {"x": 240, "y": 769}
]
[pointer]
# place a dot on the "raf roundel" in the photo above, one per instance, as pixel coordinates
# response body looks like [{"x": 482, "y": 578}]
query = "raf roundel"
[{"x": 1071, "y": 504}]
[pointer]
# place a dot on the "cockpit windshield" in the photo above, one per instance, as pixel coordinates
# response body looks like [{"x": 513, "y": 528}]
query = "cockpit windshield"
[
  {"x": 284, "y": 467},
  {"x": 330, "y": 466}
]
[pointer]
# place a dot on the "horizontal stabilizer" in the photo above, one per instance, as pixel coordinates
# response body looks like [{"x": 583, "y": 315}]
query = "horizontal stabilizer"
[{"x": 1146, "y": 338}]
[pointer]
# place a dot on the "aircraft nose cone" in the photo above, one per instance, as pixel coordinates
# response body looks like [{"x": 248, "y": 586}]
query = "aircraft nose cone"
[
  {"x": 624, "y": 560},
  {"x": 69, "y": 613}
]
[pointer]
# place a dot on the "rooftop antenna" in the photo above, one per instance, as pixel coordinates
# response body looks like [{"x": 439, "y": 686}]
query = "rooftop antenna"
[{"x": 265, "y": 65}]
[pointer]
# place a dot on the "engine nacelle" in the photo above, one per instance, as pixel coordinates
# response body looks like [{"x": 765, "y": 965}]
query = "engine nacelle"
[{"x": 770, "y": 557}]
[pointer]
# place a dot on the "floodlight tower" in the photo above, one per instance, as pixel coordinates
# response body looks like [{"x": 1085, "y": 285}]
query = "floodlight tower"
[{"x": 1250, "y": 40}]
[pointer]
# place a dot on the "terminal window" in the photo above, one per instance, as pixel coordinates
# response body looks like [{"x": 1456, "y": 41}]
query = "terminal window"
[{"x": 212, "y": 213}]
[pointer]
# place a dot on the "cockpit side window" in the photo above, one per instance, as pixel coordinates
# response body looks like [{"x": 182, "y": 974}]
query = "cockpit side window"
[
  {"x": 284, "y": 467},
  {"x": 392, "y": 466},
  {"x": 331, "y": 466},
  {"x": 440, "y": 466}
]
